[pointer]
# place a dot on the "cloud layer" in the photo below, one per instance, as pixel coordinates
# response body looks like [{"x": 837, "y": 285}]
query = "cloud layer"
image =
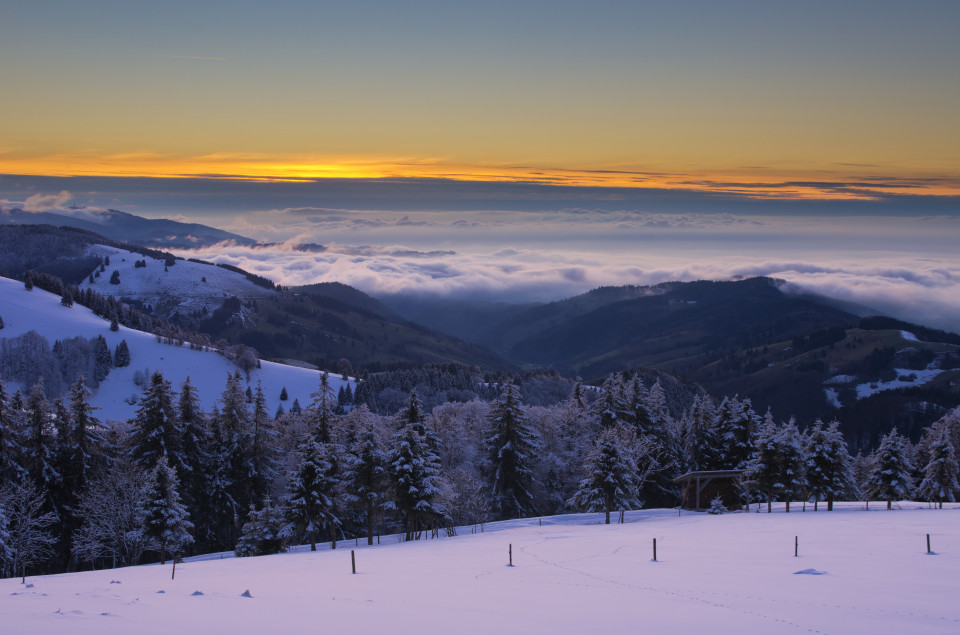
[{"x": 905, "y": 267}]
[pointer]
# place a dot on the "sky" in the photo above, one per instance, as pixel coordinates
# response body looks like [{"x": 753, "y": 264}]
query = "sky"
[{"x": 550, "y": 146}]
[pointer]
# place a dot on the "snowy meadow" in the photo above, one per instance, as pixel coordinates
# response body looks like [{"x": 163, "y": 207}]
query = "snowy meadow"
[{"x": 855, "y": 572}]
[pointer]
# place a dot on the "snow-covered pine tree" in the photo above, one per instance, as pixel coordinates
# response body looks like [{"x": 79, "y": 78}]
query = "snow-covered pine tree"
[
  {"x": 312, "y": 490},
  {"x": 736, "y": 425},
  {"x": 166, "y": 521},
  {"x": 11, "y": 440},
  {"x": 155, "y": 429},
  {"x": 194, "y": 460},
  {"x": 611, "y": 477},
  {"x": 265, "y": 532},
  {"x": 415, "y": 471},
  {"x": 234, "y": 444},
  {"x": 764, "y": 468},
  {"x": 6, "y": 552},
  {"x": 639, "y": 396},
  {"x": 611, "y": 410},
  {"x": 702, "y": 447},
  {"x": 367, "y": 473},
  {"x": 38, "y": 457},
  {"x": 264, "y": 446},
  {"x": 511, "y": 444},
  {"x": 283, "y": 394},
  {"x": 939, "y": 482},
  {"x": 322, "y": 409},
  {"x": 889, "y": 478},
  {"x": 829, "y": 470},
  {"x": 578, "y": 397}
]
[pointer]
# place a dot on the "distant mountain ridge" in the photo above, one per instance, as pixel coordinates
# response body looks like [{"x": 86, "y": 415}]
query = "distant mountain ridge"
[{"x": 122, "y": 226}]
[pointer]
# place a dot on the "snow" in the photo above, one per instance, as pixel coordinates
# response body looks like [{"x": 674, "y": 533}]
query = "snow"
[
  {"x": 181, "y": 285},
  {"x": 922, "y": 377},
  {"x": 40, "y": 311},
  {"x": 857, "y": 572},
  {"x": 910, "y": 337}
]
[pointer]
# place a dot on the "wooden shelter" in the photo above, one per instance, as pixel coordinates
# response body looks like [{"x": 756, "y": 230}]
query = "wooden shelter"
[{"x": 699, "y": 488}]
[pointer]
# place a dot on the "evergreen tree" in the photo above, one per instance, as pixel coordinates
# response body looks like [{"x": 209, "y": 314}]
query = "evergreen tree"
[
  {"x": 939, "y": 482},
  {"x": 11, "y": 440},
  {"x": 611, "y": 477},
  {"x": 511, "y": 443},
  {"x": 1, "y": 323},
  {"x": 312, "y": 491},
  {"x": 155, "y": 429},
  {"x": 642, "y": 420},
  {"x": 234, "y": 445},
  {"x": 322, "y": 409},
  {"x": 6, "y": 552},
  {"x": 166, "y": 523},
  {"x": 265, "y": 531},
  {"x": 610, "y": 409},
  {"x": 194, "y": 459},
  {"x": 578, "y": 397},
  {"x": 28, "y": 281},
  {"x": 264, "y": 447},
  {"x": 115, "y": 277},
  {"x": 103, "y": 361},
  {"x": 829, "y": 466},
  {"x": 38, "y": 457},
  {"x": 66, "y": 298},
  {"x": 283, "y": 394},
  {"x": 778, "y": 462},
  {"x": 702, "y": 448},
  {"x": 414, "y": 469},
  {"x": 889, "y": 478},
  {"x": 736, "y": 424},
  {"x": 367, "y": 471},
  {"x": 121, "y": 355}
]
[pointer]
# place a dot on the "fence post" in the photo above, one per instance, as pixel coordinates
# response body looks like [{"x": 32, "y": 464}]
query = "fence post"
[
  {"x": 654, "y": 549},
  {"x": 510, "y": 552},
  {"x": 796, "y": 546},
  {"x": 928, "y": 544},
  {"x": 353, "y": 561}
]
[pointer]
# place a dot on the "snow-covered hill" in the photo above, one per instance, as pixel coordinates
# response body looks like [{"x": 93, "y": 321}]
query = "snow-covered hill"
[
  {"x": 857, "y": 572},
  {"x": 39, "y": 311},
  {"x": 185, "y": 286}
]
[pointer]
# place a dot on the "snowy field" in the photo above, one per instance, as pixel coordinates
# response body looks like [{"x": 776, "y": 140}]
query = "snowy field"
[
  {"x": 117, "y": 396},
  {"x": 857, "y": 572}
]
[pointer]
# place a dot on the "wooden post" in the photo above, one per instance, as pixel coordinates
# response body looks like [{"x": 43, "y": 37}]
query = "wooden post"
[
  {"x": 796, "y": 546},
  {"x": 928, "y": 544},
  {"x": 173, "y": 573},
  {"x": 654, "y": 549},
  {"x": 353, "y": 561},
  {"x": 510, "y": 552}
]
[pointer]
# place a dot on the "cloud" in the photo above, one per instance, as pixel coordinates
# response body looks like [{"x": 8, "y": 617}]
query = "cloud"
[{"x": 47, "y": 202}]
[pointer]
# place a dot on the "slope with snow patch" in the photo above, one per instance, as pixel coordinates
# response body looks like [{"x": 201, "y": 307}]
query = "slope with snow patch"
[
  {"x": 185, "y": 286},
  {"x": 39, "y": 311}
]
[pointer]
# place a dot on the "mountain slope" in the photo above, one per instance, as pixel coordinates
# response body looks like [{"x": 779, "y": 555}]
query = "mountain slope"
[
  {"x": 117, "y": 225},
  {"x": 39, "y": 311}
]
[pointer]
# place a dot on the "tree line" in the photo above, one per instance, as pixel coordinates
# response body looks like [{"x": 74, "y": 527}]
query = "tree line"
[{"x": 176, "y": 480}]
